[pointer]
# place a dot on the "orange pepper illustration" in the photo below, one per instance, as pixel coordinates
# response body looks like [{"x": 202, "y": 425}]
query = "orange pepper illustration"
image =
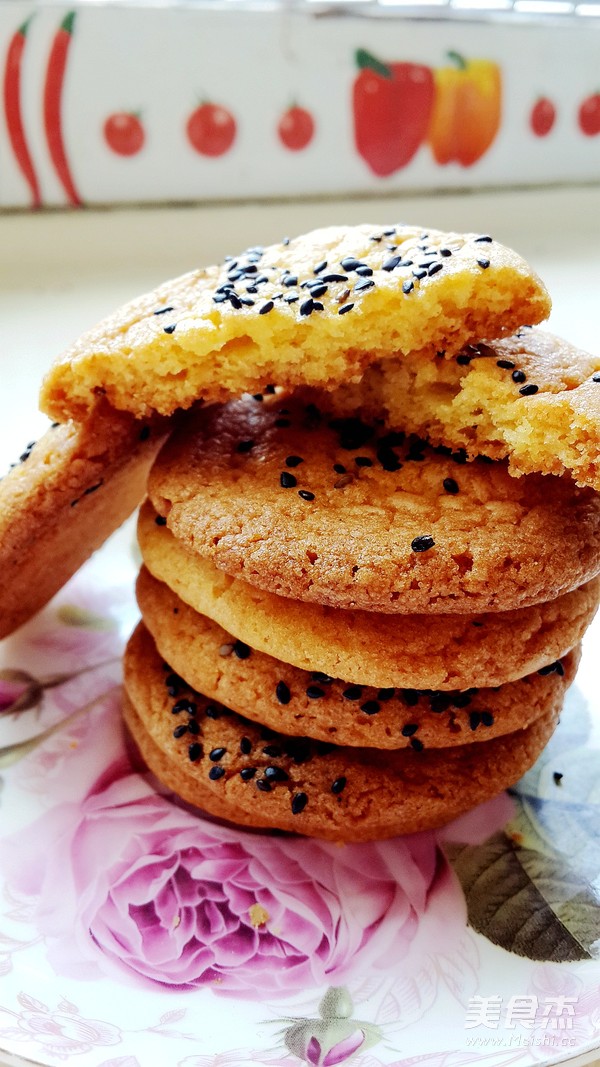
[{"x": 467, "y": 110}]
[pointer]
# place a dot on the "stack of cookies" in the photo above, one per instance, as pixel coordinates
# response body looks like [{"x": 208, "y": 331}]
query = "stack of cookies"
[{"x": 371, "y": 548}]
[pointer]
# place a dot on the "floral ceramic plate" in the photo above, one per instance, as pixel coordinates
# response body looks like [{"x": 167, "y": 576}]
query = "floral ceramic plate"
[{"x": 135, "y": 932}]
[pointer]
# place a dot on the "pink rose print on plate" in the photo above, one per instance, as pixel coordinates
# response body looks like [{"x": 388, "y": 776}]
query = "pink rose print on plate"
[{"x": 124, "y": 881}]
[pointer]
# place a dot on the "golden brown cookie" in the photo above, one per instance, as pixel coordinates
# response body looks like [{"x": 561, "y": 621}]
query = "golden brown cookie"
[
  {"x": 346, "y": 514},
  {"x": 408, "y": 651},
  {"x": 316, "y": 311},
  {"x": 248, "y": 774},
  {"x": 66, "y": 495},
  {"x": 532, "y": 398},
  {"x": 314, "y": 704}
]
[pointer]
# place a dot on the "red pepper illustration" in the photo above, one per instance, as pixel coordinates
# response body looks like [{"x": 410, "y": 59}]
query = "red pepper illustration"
[
  {"x": 392, "y": 107},
  {"x": 55, "y": 75},
  {"x": 13, "y": 113}
]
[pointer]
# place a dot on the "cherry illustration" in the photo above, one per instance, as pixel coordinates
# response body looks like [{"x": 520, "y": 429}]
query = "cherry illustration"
[
  {"x": 124, "y": 133},
  {"x": 589, "y": 115},
  {"x": 211, "y": 130},
  {"x": 543, "y": 116},
  {"x": 296, "y": 128}
]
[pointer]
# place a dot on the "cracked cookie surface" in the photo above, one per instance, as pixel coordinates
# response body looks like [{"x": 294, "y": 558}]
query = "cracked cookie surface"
[{"x": 315, "y": 310}]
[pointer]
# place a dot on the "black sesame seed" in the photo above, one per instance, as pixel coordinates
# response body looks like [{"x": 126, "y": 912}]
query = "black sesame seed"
[
  {"x": 434, "y": 268},
  {"x": 386, "y": 694},
  {"x": 269, "y": 390},
  {"x": 463, "y": 360},
  {"x": 257, "y": 396},
  {"x": 552, "y": 668},
  {"x": 180, "y": 730},
  {"x": 317, "y": 305},
  {"x": 439, "y": 702},
  {"x": 483, "y": 238},
  {"x": 388, "y": 459},
  {"x": 306, "y": 494},
  {"x": 353, "y": 692},
  {"x": 251, "y": 289},
  {"x": 234, "y": 301},
  {"x": 186, "y": 705},
  {"x": 339, "y": 468},
  {"x": 505, "y": 364},
  {"x": 391, "y": 264},
  {"x": 171, "y": 328},
  {"x": 318, "y": 290},
  {"x": 410, "y": 697},
  {"x": 450, "y": 486},
  {"x": 364, "y": 271},
  {"x": 422, "y": 543},
  {"x": 247, "y": 773},
  {"x": 307, "y": 307},
  {"x": 276, "y": 774},
  {"x": 282, "y": 692},
  {"x": 363, "y": 461},
  {"x": 212, "y": 712},
  {"x": 245, "y": 446},
  {"x": 445, "y": 252},
  {"x": 314, "y": 692},
  {"x": 338, "y": 785},
  {"x": 350, "y": 263},
  {"x": 163, "y": 311},
  {"x": 241, "y": 650},
  {"x": 216, "y": 754},
  {"x": 417, "y": 745},
  {"x": 483, "y": 263},
  {"x": 160, "y": 520},
  {"x": 293, "y": 461},
  {"x": 335, "y": 278},
  {"x": 370, "y": 707},
  {"x": 195, "y": 751},
  {"x": 408, "y": 286},
  {"x": 266, "y": 308},
  {"x": 558, "y": 777},
  {"x": 474, "y": 719},
  {"x": 299, "y": 802},
  {"x": 263, "y": 785},
  {"x": 272, "y": 750},
  {"x": 245, "y": 746},
  {"x": 361, "y": 287},
  {"x": 419, "y": 274},
  {"x": 596, "y": 378},
  {"x": 287, "y": 480},
  {"x": 460, "y": 456},
  {"x": 320, "y": 267},
  {"x": 345, "y": 308},
  {"x": 409, "y": 729},
  {"x": 487, "y": 718},
  {"x": 289, "y": 280},
  {"x": 529, "y": 390},
  {"x": 193, "y": 726},
  {"x": 461, "y": 700},
  {"x": 319, "y": 676},
  {"x": 144, "y": 433},
  {"x": 215, "y": 773}
]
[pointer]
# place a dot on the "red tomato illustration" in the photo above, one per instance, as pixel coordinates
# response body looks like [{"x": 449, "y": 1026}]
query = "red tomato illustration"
[
  {"x": 211, "y": 130},
  {"x": 296, "y": 128},
  {"x": 124, "y": 133},
  {"x": 589, "y": 115},
  {"x": 543, "y": 117}
]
